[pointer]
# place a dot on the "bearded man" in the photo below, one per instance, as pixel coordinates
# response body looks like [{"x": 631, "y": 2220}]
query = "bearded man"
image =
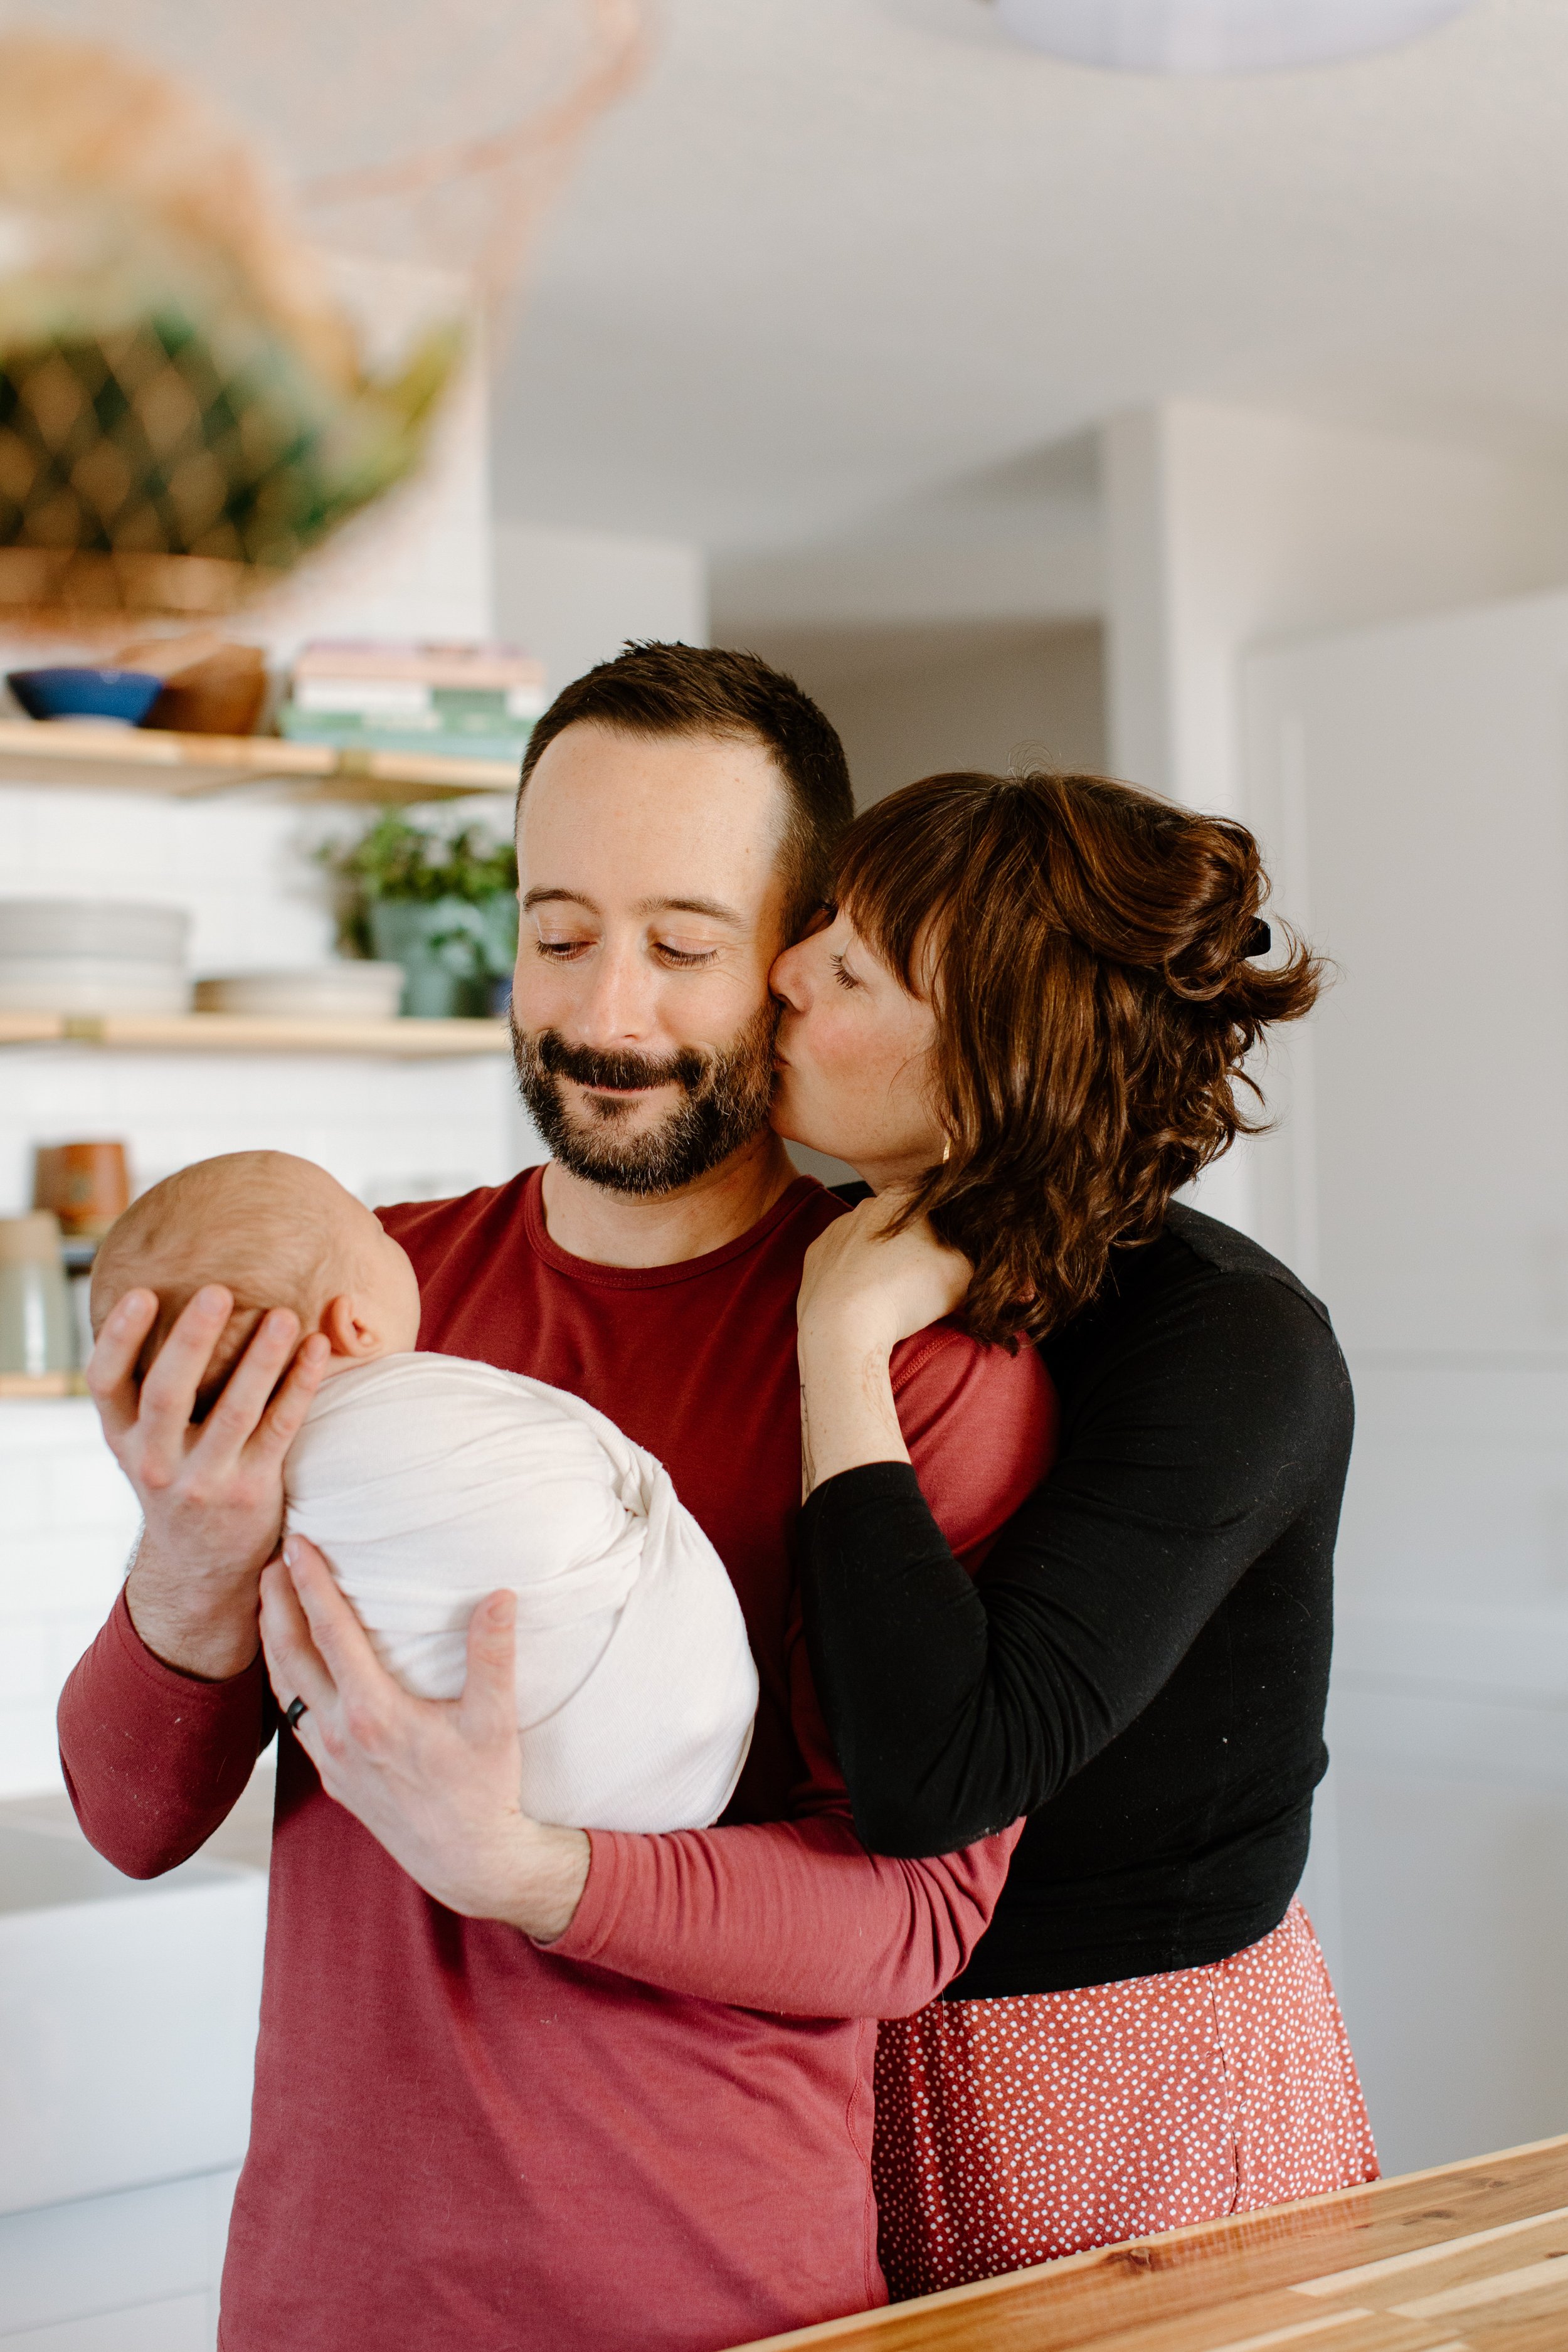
[{"x": 520, "y": 2085}]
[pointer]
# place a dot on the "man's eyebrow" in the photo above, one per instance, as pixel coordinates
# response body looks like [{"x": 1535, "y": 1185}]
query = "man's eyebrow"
[
  {"x": 714, "y": 908},
  {"x": 556, "y": 895}
]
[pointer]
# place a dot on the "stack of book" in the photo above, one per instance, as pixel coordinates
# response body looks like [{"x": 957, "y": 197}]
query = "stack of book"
[{"x": 464, "y": 700}]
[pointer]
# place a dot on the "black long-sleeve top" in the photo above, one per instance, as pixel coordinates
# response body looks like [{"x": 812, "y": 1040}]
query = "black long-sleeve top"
[{"x": 1141, "y": 1663}]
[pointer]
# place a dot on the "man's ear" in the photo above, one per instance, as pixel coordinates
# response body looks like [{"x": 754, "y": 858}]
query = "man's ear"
[{"x": 349, "y": 1335}]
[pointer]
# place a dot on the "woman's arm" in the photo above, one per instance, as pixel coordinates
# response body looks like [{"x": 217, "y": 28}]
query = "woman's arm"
[
  {"x": 956, "y": 1704},
  {"x": 861, "y": 1292}
]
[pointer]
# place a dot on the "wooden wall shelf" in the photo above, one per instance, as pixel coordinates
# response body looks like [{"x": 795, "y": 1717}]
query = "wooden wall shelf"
[
  {"x": 146, "y": 760},
  {"x": 16, "y": 1387},
  {"x": 234, "y": 1032}
]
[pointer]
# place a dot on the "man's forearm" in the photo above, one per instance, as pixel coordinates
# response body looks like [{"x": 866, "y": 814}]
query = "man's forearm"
[
  {"x": 794, "y": 1916},
  {"x": 202, "y": 1620}
]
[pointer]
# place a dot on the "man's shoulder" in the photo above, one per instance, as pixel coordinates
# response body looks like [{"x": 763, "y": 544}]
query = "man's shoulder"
[{"x": 431, "y": 1231}]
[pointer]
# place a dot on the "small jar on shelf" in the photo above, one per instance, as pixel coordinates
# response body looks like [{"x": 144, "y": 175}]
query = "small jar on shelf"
[{"x": 37, "y": 1336}]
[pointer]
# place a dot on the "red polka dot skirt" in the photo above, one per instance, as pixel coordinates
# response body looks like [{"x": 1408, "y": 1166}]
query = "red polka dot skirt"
[{"x": 1009, "y": 2132}]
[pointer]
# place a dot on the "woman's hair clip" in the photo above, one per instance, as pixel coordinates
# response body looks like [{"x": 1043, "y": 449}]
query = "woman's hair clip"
[{"x": 1259, "y": 939}]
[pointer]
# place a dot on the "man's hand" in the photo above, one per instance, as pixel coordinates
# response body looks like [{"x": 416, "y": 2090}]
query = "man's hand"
[
  {"x": 211, "y": 1492},
  {"x": 435, "y": 1782}
]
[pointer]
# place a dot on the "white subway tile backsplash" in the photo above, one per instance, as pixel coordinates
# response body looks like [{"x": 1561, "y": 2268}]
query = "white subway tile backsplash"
[
  {"x": 23, "y": 1495},
  {"x": 68, "y": 1521},
  {"x": 87, "y": 1487},
  {"x": 29, "y": 1750},
  {"x": 62, "y": 1574},
  {"x": 26, "y": 1654}
]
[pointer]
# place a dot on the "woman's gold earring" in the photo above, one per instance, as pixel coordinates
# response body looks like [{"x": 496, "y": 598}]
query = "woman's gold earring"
[{"x": 947, "y": 1152}]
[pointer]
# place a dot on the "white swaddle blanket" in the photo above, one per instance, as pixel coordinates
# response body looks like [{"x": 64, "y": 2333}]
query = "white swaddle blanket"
[{"x": 428, "y": 1481}]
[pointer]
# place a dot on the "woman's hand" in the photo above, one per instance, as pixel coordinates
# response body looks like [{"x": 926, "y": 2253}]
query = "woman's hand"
[
  {"x": 860, "y": 1283},
  {"x": 861, "y": 1292},
  {"x": 434, "y": 1782}
]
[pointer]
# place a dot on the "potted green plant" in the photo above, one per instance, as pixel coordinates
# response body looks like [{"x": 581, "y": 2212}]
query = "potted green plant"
[{"x": 441, "y": 904}]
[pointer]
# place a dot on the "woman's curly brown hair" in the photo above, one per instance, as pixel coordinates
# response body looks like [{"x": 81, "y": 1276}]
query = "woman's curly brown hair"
[{"x": 1089, "y": 954}]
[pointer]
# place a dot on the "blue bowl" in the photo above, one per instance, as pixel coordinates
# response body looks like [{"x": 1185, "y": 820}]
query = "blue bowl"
[{"x": 127, "y": 695}]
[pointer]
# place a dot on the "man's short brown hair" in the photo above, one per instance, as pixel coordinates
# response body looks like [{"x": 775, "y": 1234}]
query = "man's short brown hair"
[{"x": 655, "y": 690}]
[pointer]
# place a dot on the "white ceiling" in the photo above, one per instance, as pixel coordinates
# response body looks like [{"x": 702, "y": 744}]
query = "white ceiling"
[{"x": 838, "y": 255}]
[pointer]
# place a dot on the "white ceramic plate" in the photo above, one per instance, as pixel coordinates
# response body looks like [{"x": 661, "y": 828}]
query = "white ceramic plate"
[
  {"x": 118, "y": 927},
  {"x": 67, "y": 983},
  {"x": 346, "y": 990}
]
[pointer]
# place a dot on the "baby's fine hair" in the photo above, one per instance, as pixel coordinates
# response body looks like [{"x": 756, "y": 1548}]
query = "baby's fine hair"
[{"x": 261, "y": 1223}]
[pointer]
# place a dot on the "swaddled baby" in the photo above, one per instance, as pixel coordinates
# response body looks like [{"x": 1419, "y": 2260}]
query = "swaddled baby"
[{"x": 429, "y": 1480}]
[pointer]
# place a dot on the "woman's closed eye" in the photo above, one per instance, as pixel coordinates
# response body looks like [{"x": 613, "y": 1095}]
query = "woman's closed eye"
[{"x": 842, "y": 974}]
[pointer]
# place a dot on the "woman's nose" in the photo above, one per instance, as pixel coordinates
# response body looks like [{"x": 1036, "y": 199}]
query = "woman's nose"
[{"x": 787, "y": 979}]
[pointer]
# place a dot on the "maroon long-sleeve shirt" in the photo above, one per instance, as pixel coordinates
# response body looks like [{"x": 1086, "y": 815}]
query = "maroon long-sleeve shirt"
[{"x": 655, "y": 2133}]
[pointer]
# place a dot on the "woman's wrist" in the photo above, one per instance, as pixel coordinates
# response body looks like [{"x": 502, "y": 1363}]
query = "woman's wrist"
[{"x": 848, "y": 1414}]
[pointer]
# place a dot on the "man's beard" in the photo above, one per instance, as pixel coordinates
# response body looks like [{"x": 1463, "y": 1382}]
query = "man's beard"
[{"x": 725, "y": 1101}]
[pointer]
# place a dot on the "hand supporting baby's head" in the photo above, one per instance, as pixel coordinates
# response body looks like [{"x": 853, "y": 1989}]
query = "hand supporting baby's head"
[{"x": 272, "y": 1230}]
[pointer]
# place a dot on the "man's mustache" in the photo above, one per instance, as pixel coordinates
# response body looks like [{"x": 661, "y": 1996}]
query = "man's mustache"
[{"x": 688, "y": 1069}]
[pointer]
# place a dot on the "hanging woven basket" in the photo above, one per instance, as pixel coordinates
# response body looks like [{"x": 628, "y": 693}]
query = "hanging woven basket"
[{"x": 185, "y": 409}]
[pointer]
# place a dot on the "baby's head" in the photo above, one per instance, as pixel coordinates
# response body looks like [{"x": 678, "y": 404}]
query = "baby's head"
[{"x": 274, "y": 1231}]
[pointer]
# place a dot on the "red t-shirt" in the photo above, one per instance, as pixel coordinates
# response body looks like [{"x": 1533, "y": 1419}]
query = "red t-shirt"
[{"x": 655, "y": 2133}]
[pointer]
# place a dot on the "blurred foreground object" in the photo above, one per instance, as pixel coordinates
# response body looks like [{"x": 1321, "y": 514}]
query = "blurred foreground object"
[{"x": 185, "y": 408}]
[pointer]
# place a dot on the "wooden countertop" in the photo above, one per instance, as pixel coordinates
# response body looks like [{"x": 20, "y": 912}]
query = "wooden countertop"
[{"x": 1470, "y": 2258}]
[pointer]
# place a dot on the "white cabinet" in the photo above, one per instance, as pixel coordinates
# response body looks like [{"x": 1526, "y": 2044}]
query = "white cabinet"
[{"x": 128, "y": 2016}]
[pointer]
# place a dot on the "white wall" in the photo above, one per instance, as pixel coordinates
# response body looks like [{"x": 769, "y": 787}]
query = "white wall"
[
  {"x": 1411, "y": 783},
  {"x": 911, "y": 702},
  {"x": 572, "y": 597},
  {"x": 1225, "y": 528}
]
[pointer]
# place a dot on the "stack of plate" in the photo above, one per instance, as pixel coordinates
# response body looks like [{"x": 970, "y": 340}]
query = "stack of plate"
[
  {"x": 93, "y": 955},
  {"x": 344, "y": 991}
]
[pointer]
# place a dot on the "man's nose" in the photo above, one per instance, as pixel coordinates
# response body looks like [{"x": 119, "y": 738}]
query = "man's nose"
[{"x": 617, "y": 1007}]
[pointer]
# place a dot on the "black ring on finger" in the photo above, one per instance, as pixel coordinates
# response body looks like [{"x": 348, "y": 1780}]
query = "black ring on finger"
[{"x": 293, "y": 1711}]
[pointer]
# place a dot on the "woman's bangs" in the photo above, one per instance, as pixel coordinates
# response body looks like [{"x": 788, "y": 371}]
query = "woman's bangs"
[{"x": 901, "y": 905}]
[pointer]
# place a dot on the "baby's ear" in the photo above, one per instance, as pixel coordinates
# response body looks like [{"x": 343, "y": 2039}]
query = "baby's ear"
[{"x": 349, "y": 1336}]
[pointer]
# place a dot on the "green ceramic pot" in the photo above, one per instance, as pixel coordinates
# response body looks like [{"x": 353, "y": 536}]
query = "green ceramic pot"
[{"x": 452, "y": 951}]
